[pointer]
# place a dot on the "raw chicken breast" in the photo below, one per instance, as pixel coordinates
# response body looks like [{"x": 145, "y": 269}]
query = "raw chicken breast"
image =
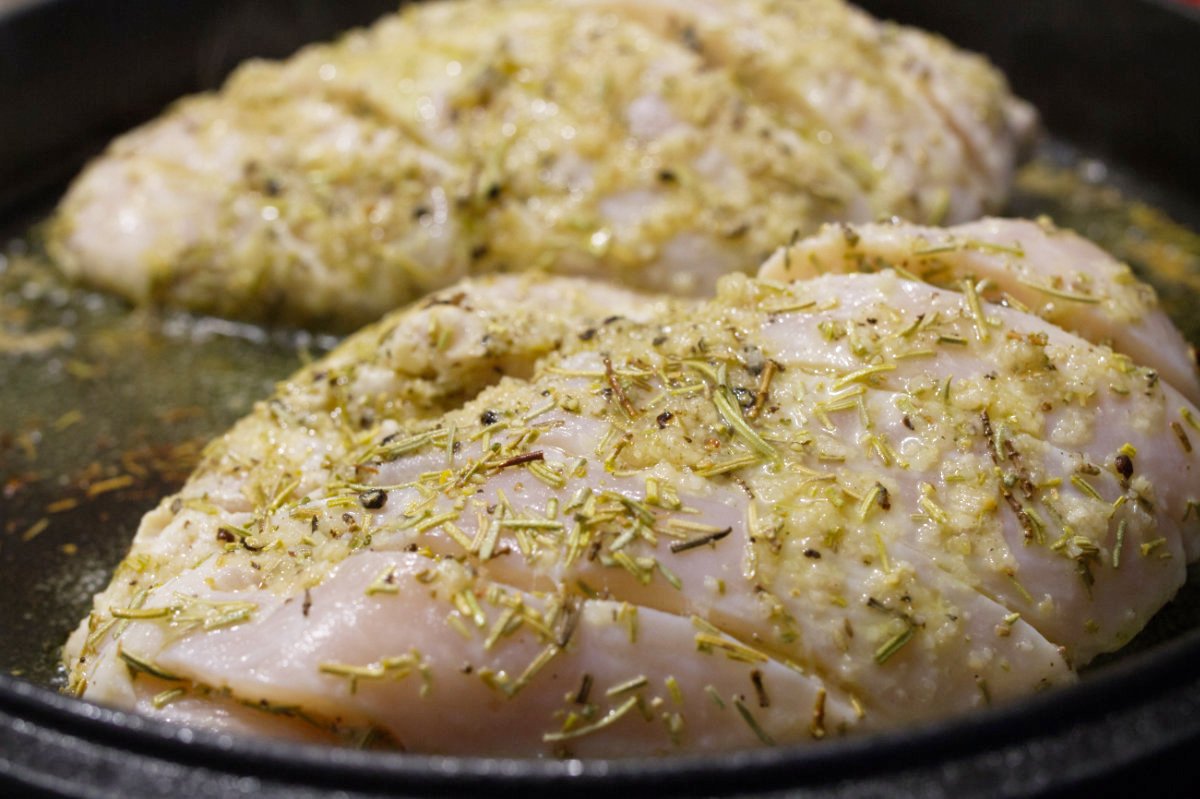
[
  {"x": 611, "y": 524},
  {"x": 660, "y": 145},
  {"x": 1032, "y": 266}
]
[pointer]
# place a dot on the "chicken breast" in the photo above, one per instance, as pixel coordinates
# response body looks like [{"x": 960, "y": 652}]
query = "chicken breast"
[
  {"x": 658, "y": 144},
  {"x": 614, "y": 524},
  {"x": 1034, "y": 266}
]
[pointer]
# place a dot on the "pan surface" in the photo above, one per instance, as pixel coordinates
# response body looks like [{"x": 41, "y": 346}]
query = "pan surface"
[{"x": 103, "y": 410}]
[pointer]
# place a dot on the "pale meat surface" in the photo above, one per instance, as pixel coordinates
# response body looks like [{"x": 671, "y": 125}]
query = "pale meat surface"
[
  {"x": 657, "y": 144},
  {"x": 612, "y": 524},
  {"x": 1029, "y": 265}
]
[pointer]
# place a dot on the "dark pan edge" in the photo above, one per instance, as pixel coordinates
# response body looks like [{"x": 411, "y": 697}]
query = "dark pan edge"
[
  {"x": 1141, "y": 56},
  {"x": 78, "y": 744}
]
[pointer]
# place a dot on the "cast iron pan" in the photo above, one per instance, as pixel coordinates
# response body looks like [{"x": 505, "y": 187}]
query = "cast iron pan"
[{"x": 103, "y": 409}]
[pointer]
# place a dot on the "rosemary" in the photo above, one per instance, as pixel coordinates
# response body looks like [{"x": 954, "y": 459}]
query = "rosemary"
[
  {"x": 618, "y": 390},
  {"x": 517, "y": 460},
  {"x": 1086, "y": 487},
  {"x": 724, "y": 467},
  {"x": 1182, "y": 437},
  {"x": 384, "y": 583},
  {"x": 1060, "y": 293},
  {"x": 707, "y": 642},
  {"x": 861, "y": 375},
  {"x": 138, "y": 664},
  {"x": 693, "y": 543},
  {"x": 397, "y": 668},
  {"x": 816, "y": 727},
  {"x": 164, "y": 698},
  {"x": 733, "y": 416},
  {"x": 607, "y": 720},
  {"x": 976, "y": 309},
  {"x": 894, "y": 644},
  {"x": 536, "y": 665},
  {"x": 752, "y": 723},
  {"x": 631, "y": 684},
  {"x": 674, "y": 690},
  {"x": 764, "y": 383}
]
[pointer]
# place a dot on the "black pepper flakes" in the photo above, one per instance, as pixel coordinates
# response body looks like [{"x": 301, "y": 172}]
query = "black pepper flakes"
[
  {"x": 374, "y": 499},
  {"x": 1124, "y": 466},
  {"x": 690, "y": 39},
  {"x": 488, "y": 418},
  {"x": 585, "y": 690},
  {"x": 664, "y": 419},
  {"x": 745, "y": 397},
  {"x": 883, "y": 498},
  {"x": 760, "y": 690}
]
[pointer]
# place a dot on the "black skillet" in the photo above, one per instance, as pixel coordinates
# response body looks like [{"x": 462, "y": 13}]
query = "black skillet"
[{"x": 102, "y": 433}]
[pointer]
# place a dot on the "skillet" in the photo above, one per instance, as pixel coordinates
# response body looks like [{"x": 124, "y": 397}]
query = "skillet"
[{"x": 103, "y": 410}]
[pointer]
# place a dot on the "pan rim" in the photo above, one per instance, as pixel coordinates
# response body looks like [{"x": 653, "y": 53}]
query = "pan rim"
[{"x": 1152, "y": 678}]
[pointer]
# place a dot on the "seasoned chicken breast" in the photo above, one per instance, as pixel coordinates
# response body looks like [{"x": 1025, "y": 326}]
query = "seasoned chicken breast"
[
  {"x": 612, "y": 524},
  {"x": 657, "y": 144},
  {"x": 1031, "y": 266}
]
